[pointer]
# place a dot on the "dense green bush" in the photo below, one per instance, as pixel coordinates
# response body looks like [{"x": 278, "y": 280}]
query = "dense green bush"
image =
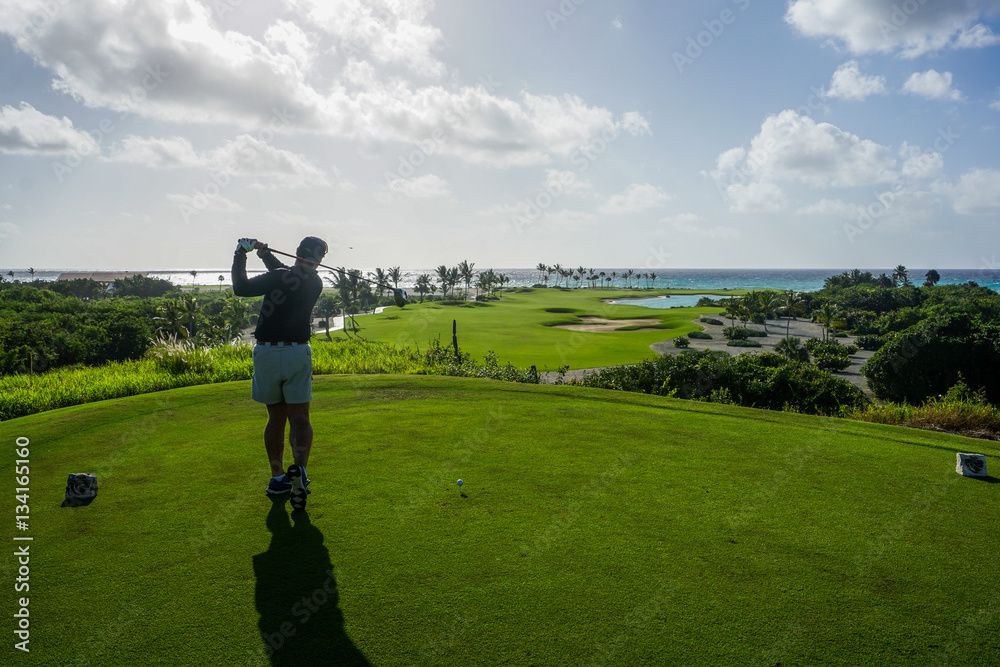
[
  {"x": 742, "y": 342},
  {"x": 928, "y": 358},
  {"x": 765, "y": 380},
  {"x": 701, "y": 335},
  {"x": 830, "y": 362},
  {"x": 870, "y": 342},
  {"x": 711, "y": 320},
  {"x": 681, "y": 341},
  {"x": 735, "y": 333}
]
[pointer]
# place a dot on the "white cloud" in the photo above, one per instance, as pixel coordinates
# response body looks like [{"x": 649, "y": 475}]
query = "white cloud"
[
  {"x": 848, "y": 83},
  {"x": 635, "y": 124},
  {"x": 388, "y": 32},
  {"x": 933, "y": 85},
  {"x": 995, "y": 104},
  {"x": 977, "y": 192},
  {"x": 169, "y": 60},
  {"x": 920, "y": 165},
  {"x": 565, "y": 182},
  {"x": 420, "y": 187},
  {"x": 796, "y": 148},
  {"x": 28, "y": 131},
  {"x": 155, "y": 152},
  {"x": 755, "y": 197},
  {"x": 616, "y": 23},
  {"x": 910, "y": 28},
  {"x": 244, "y": 156},
  {"x": 637, "y": 198}
]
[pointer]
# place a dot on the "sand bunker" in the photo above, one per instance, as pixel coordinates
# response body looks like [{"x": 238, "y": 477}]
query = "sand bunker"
[{"x": 600, "y": 324}]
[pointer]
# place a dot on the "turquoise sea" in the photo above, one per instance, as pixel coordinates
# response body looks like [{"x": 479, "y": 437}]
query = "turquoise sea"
[{"x": 800, "y": 280}]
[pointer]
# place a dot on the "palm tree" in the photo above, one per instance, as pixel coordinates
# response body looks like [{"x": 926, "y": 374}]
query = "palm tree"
[
  {"x": 792, "y": 349},
  {"x": 221, "y": 279},
  {"x": 467, "y": 273},
  {"x": 442, "y": 277},
  {"x": 542, "y": 272},
  {"x": 453, "y": 279},
  {"x": 732, "y": 306},
  {"x": 768, "y": 302},
  {"x": 932, "y": 278},
  {"x": 884, "y": 281},
  {"x": 381, "y": 278},
  {"x": 827, "y": 314},
  {"x": 558, "y": 270},
  {"x": 790, "y": 303},
  {"x": 423, "y": 285},
  {"x": 327, "y": 306},
  {"x": 628, "y": 277},
  {"x": 237, "y": 315},
  {"x": 190, "y": 310},
  {"x": 899, "y": 275},
  {"x": 31, "y": 272},
  {"x": 11, "y": 274},
  {"x": 614, "y": 275},
  {"x": 171, "y": 319},
  {"x": 194, "y": 276},
  {"x": 395, "y": 275}
]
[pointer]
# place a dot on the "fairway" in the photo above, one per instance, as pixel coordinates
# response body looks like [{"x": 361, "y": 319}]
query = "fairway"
[
  {"x": 522, "y": 329},
  {"x": 597, "y": 528}
]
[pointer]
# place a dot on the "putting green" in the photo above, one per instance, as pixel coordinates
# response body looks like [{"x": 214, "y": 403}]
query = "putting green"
[
  {"x": 522, "y": 328},
  {"x": 597, "y": 528}
]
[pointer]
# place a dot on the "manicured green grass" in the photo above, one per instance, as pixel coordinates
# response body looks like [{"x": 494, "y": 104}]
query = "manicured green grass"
[
  {"x": 597, "y": 528},
  {"x": 520, "y": 328}
]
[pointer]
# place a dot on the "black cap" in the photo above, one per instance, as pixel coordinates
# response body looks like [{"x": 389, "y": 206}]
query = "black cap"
[{"x": 312, "y": 248}]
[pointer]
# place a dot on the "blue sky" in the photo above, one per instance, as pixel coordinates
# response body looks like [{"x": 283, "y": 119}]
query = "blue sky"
[{"x": 733, "y": 133}]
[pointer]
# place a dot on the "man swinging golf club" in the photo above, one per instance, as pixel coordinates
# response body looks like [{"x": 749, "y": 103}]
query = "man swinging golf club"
[{"x": 282, "y": 358}]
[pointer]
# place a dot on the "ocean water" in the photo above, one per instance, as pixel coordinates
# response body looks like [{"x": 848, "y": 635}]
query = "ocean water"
[{"x": 800, "y": 280}]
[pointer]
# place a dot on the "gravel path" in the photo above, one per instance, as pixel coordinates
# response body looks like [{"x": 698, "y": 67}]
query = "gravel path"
[{"x": 776, "y": 331}]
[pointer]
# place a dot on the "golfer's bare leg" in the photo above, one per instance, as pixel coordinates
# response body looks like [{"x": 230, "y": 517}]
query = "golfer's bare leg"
[
  {"x": 300, "y": 432},
  {"x": 274, "y": 437}
]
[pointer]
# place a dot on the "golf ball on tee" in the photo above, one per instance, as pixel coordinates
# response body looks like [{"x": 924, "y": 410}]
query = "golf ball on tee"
[{"x": 460, "y": 482}]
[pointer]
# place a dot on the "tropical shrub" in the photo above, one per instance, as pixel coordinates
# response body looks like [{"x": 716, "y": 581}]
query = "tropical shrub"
[
  {"x": 711, "y": 320},
  {"x": 928, "y": 358},
  {"x": 742, "y": 342},
  {"x": 870, "y": 342},
  {"x": 700, "y": 335},
  {"x": 830, "y": 362},
  {"x": 681, "y": 341},
  {"x": 765, "y": 380},
  {"x": 735, "y": 333}
]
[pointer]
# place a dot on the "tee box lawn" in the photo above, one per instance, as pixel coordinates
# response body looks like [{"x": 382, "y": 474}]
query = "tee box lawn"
[
  {"x": 521, "y": 328},
  {"x": 593, "y": 528}
]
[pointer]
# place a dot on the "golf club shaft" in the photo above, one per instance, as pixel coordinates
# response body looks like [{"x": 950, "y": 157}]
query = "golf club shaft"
[{"x": 328, "y": 267}]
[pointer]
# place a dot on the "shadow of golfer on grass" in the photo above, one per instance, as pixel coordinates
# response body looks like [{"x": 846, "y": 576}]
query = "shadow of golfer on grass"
[{"x": 296, "y": 596}]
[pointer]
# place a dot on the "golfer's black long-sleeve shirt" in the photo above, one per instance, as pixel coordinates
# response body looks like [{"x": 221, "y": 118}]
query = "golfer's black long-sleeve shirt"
[{"x": 289, "y": 296}]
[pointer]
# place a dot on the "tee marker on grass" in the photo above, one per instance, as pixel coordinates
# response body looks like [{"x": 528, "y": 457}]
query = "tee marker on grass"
[{"x": 970, "y": 465}]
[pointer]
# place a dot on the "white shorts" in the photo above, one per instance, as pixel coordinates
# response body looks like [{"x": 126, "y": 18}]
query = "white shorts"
[{"x": 282, "y": 374}]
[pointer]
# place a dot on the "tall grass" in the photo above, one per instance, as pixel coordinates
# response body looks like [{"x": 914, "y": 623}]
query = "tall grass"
[
  {"x": 960, "y": 411},
  {"x": 183, "y": 365}
]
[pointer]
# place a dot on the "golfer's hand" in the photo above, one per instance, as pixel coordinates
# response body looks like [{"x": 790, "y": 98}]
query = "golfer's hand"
[
  {"x": 262, "y": 249},
  {"x": 245, "y": 245}
]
